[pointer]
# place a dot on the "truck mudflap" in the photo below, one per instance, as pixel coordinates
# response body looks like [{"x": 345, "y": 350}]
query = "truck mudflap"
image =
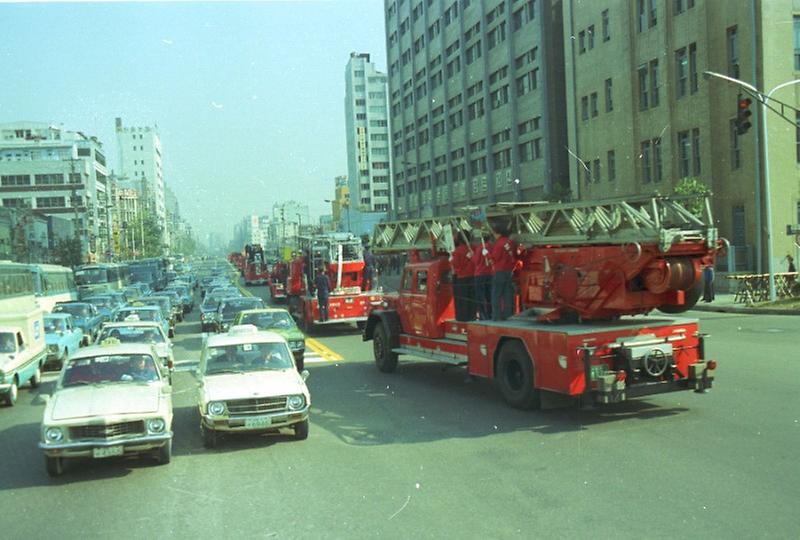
[{"x": 611, "y": 387}]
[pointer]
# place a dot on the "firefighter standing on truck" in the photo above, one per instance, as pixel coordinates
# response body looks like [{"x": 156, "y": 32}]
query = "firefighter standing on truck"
[
  {"x": 482, "y": 277},
  {"x": 502, "y": 258},
  {"x": 323, "y": 286},
  {"x": 463, "y": 270}
]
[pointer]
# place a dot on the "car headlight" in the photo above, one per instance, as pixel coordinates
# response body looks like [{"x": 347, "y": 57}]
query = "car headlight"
[
  {"x": 156, "y": 425},
  {"x": 216, "y": 408},
  {"x": 298, "y": 344},
  {"x": 53, "y": 434},
  {"x": 296, "y": 402}
]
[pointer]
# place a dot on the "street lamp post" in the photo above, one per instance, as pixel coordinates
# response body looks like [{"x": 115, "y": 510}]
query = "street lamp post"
[{"x": 763, "y": 99}]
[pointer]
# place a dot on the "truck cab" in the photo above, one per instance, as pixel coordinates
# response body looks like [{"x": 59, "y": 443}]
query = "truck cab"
[
  {"x": 425, "y": 298},
  {"x": 22, "y": 351}
]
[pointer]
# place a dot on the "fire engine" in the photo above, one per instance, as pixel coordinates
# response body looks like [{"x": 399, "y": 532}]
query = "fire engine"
[
  {"x": 340, "y": 256},
  {"x": 256, "y": 271},
  {"x": 237, "y": 260},
  {"x": 277, "y": 281},
  {"x": 588, "y": 273}
]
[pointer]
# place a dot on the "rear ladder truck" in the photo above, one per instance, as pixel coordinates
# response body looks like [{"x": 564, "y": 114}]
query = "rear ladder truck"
[{"x": 589, "y": 273}]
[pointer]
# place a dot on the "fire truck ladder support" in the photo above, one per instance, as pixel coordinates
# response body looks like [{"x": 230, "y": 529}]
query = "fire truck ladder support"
[{"x": 656, "y": 219}]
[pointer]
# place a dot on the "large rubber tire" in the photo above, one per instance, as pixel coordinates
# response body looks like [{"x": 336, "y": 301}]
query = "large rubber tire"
[
  {"x": 36, "y": 380},
  {"x": 13, "y": 393},
  {"x": 301, "y": 363},
  {"x": 210, "y": 438},
  {"x": 164, "y": 454},
  {"x": 691, "y": 298},
  {"x": 385, "y": 359},
  {"x": 171, "y": 333},
  {"x": 515, "y": 377},
  {"x": 301, "y": 430},
  {"x": 54, "y": 466}
]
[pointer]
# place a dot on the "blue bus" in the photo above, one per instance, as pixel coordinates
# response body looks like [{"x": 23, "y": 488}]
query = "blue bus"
[
  {"x": 96, "y": 278},
  {"x": 48, "y": 283}
]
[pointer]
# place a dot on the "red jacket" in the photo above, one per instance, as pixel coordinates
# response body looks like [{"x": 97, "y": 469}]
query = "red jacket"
[
  {"x": 503, "y": 255},
  {"x": 480, "y": 263},
  {"x": 462, "y": 263}
]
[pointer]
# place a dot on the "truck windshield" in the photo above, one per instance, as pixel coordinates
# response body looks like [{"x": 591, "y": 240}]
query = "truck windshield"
[
  {"x": 91, "y": 276},
  {"x": 7, "y": 344},
  {"x": 76, "y": 310}
]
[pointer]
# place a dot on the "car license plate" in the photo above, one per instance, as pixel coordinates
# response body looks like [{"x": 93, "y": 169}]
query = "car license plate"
[
  {"x": 257, "y": 422},
  {"x": 107, "y": 451}
]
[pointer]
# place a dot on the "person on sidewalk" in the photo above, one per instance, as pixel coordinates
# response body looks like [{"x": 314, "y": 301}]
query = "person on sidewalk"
[
  {"x": 708, "y": 284},
  {"x": 502, "y": 258},
  {"x": 463, "y": 270},
  {"x": 323, "y": 286},
  {"x": 482, "y": 277}
]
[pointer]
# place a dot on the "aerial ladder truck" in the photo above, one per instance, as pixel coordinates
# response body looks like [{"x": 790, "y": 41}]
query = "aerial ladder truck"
[{"x": 588, "y": 275}]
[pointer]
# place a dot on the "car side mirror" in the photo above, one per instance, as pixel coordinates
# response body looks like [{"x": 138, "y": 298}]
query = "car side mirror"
[{"x": 304, "y": 375}]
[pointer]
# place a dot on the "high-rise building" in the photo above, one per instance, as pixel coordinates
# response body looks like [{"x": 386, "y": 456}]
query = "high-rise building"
[
  {"x": 368, "y": 160},
  {"x": 59, "y": 173},
  {"x": 140, "y": 161},
  {"x": 340, "y": 205},
  {"x": 642, "y": 118},
  {"x": 477, "y": 102}
]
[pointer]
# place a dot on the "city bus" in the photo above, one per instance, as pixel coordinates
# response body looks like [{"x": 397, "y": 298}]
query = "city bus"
[
  {"x": 48, "y": 283},
  {"x": 96, "y": 278}
]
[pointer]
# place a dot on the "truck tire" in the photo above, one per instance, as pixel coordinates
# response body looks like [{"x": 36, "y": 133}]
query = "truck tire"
[
  {"x": 385, "y": 358},
  {"x": 301, "y": 430},
  {"x": 12, "y": 394},
  {"x": 36, "y": 379},
  {"x": 54, "y": 466},
  {"x": 691, "y": 298},
  {"x": 301, "y": 363},
  {"x": 171, "y": 333},
  {"x": 515, "y": 377}
]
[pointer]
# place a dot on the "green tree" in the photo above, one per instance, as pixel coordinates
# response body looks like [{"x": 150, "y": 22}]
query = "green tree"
[
  {"x": 67, "y": 252},
  {"x": 148, "y": 236},
  {"x": 693, "y": 186}
]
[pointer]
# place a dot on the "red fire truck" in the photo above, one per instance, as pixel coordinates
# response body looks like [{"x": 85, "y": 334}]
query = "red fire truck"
[
  {"x": 590, "y": 272},
  {"x": 256, "y": 271},
  {"x": 340, "y": 256},
  {"x": 237, "y": 260},
  {"x": 277, "y": 281}
]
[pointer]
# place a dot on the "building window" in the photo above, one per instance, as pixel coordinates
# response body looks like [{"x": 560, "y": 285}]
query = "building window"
[
  {"x": 596, "y": 171},
  {"x": 527, "y": 82},
  {"x": 590, "y": 36},
  {"x": 50, "y": 202},
  {"x": 49, "y": 179},
  {"x": 652, "y": 18},
  {"x": 732, "y": 40},
  {"x": 606, "y": 26},
  {"x": 529, "y": 151},
  {"x": 502, "y": 159},
  {"x": 654, "y": 83},
  {"x": 477, "y": 166},
  {"x": 611, "y": 166},
  {"x": 640, "y": 15},
  {"x": 684, "y": 154},
  {"x": 499, "y": 97},
  {"x": 797, "y": 42},
  {"x": 693, "y": 67},
  {"x": 736, "y": 152},
  {"x": 647, "y": 174},
  {"x": 15, "y": 203},
  {"x": 609, "y": 96},
  {"x": 581, "y": 42},
  {"x": 644, "y": 95},
  {"x": 681, "y": 72},
  {"x": 585, "y": 108},
  {"x": 15, "y": 180},
  {"x": 797, "y": 137},
  {"x": 696, "y": 151},
  {"x": 657, "y": 168},
  {"x": 594, "y": 104},
  {"x": 497, "y": 35},
  {"x": 475, "y": 109}
]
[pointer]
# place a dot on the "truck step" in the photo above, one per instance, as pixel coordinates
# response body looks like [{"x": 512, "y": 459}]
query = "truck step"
[{"x": 448, "y": 358}]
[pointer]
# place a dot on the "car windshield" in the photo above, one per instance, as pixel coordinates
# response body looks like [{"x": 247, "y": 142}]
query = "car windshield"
[
  {"x": 232, "y": 308},
  {"x": 210, "y": 304},
  {"x": 110, "y": 369},
  {"x": 247, "y": 357},
  {"x": 132, "y": 334},
  {"x": 76, "y": 310},
  {"x": 54, "y": 324},
  {"x": 7, "y": 344},
  {"x": 277, "y": 319},
  {"x": 99, "y": 302},
  {"x": 140, "y": 314}
]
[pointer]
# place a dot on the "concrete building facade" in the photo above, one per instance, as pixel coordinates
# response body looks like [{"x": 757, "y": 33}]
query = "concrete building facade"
[
  {"x": 369, "y": 164},
  {"x": 140, "y": 160},
  {"x": 58, "y": 173},
  {"x": 642, "y": 117},
  {"x": 476, "y": 97}
]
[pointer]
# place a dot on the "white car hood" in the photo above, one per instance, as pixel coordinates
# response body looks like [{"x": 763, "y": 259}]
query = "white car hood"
[
  {"x": 108, "y": 400},
  {"x": 253, "y": 384}
]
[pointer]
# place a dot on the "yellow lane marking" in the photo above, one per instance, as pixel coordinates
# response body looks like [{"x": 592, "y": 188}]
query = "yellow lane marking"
[
  {"x": 323, "y": 351},
  {"x": 244, "y": 290}
]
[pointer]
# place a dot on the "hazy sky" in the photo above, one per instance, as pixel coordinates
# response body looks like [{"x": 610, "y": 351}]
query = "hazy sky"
[{"x": 248, "y": 97}]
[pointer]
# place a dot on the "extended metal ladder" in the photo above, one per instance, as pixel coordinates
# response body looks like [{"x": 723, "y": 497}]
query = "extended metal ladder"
[{"x": 654, "y": 219}]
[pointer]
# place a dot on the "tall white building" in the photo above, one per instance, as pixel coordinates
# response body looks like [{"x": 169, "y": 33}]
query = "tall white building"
[
  {"x": 369, "y": 166},
  {"x": 59, "y": 173},
  {"x": 140, "y": 160}
]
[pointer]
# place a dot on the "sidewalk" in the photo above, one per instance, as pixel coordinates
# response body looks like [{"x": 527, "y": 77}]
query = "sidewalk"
[{"x": 723, "y": 303}]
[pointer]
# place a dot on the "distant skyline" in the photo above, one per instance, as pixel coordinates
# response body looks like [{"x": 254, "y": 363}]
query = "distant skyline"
[{"x": 248, "y": 97}]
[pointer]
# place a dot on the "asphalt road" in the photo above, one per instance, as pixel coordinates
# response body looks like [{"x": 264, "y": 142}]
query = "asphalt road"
[{"x": 426, "y": 452}]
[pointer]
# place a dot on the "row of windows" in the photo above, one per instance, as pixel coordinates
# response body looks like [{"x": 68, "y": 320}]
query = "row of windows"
[
  {"x": 41, "y": 202},
  {"x": 647, "y": 12},
  {"x": 49, "y": 179}
]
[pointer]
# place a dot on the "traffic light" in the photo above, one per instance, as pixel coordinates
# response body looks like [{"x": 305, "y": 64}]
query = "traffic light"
[{"x": 743, "y": 114}]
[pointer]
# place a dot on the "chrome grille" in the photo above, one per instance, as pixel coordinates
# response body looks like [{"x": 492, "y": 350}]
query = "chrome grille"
[
  {"x": 256, "y": 406},
  {"x": 107, "y": 431}
]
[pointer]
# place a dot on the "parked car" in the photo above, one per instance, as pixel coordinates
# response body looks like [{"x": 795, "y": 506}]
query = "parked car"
[
  {"x": 248, "y": 382},
  {"x": 277, "y": 320},
  {"x": 62, "y": 336},
  {"x": 85, "y": 316},
  {"x": 229, "y": 308},
  {"x": 110, "y": 400},
  {"x": 146, "y": 332}
]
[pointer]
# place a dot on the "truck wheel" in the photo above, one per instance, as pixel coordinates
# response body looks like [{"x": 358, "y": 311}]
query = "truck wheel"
[
  {"x": 210, "y": 439},
  {"x": 36, "y": 380},
  {"x": 54, "y": 465},
  {"x": 301, "y": 430},
  {"x": 385, "y": 359},
  {"x": 171, "y": 333},
  {"x": 13, "y": 392},
  {"x": 515, "y": 377},
  {"x": 301, "y": 363},
  {"x": 164, "y": 454},
  {"x": 690, "y": 299}
]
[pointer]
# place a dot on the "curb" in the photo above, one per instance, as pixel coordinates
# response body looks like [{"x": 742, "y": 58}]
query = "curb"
[{"x": 747, "y": 310}]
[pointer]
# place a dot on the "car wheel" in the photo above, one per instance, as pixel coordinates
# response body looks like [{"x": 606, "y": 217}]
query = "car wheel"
[
  {"x": 301, "y": 430},
  {"x": 36, "y": 380},
  {"x": 210, "y": 438},
  {"x": 171, "y": 332},
  {"x": 54, "y": 465},
  {"x": 13, "y": 392},
  {"x": 164, "y": 454},
  {"x": 301, "y": 363}
]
